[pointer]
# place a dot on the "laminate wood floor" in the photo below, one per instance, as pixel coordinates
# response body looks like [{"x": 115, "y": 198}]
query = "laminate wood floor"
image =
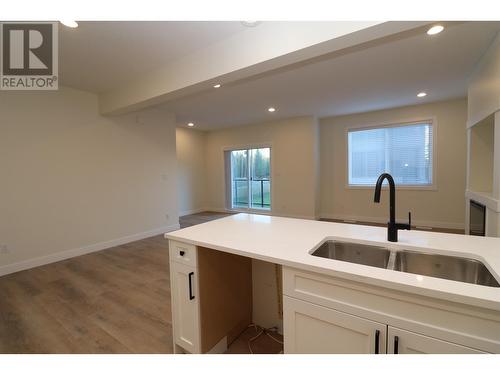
[
  {"x": 112, "y": 301},
  {"x": 202, "y": 217}
]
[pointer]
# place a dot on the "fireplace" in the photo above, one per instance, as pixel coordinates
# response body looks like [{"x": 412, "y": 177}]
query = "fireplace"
[{"x": 477, "y": 219}]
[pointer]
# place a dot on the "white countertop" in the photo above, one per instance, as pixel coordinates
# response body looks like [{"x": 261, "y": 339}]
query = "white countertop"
[{"x": 289, "y": 242}]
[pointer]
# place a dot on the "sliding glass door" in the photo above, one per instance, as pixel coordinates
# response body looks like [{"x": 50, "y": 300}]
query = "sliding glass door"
[
  {"x": 239, "y": 179},
  {"x": 250, "y": 178}
]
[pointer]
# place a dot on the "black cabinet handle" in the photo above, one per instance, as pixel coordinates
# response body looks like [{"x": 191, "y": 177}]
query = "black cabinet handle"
[
  {"x": 396, "y": 345},
  {"x": 377, "y": 339},
  {"x": 181, "y": 253},
  {"x": 190, "y": 276}
]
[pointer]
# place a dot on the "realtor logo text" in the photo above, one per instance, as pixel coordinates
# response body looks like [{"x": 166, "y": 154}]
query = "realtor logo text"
[{"x": 29, "y": 59}]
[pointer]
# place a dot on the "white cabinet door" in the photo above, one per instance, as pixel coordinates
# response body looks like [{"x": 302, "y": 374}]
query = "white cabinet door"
[
  {"x": 309, "y": 328},
  {"x": 406, "y": 342},
  {"x": 185, "y": 306}
]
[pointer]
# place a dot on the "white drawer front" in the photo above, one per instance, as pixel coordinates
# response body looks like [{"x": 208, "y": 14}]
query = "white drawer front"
[{"x": 182, "y": 253}]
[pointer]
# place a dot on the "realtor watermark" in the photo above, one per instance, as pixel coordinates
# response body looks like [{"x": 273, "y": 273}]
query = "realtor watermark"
[{"x": 29, "y": 56}]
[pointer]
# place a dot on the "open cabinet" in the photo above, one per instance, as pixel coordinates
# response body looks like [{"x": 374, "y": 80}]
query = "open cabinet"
[{"x": 211, "y": 298}]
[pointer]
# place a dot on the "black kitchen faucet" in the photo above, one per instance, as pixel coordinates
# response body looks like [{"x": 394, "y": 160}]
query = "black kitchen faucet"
[{"x": 392, "y": 226}]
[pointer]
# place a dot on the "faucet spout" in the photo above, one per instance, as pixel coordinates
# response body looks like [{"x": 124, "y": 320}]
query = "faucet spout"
[
  {"x": 392, "y": 226},
  {"x": 392, "y": 194}
]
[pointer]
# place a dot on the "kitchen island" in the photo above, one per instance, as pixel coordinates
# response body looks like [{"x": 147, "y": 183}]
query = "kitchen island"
[{"x": 330, "y": 306}]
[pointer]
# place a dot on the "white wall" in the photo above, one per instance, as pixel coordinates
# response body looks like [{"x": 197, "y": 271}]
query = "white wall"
[
  {"x": 266, "y": 306},
  {"x": 482, "y": 148},
  {"x": 308, "y": 176},
  {"x": 294, "y": 187},
  {"x": 73, "y": 181},
  {"x": 483, "y": 97},
  {"x": 442, "y": 207},
  {"x": 191, "y": 169},
  {"x": 293, "y": 163},
  {"x": 483, "y": 92}
]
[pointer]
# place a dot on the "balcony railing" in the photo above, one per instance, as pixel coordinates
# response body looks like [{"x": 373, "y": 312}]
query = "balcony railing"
[{"x": 261, "y": 193}]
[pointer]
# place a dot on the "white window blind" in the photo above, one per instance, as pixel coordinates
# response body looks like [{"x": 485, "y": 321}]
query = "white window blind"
[{"x": 404, "y": 151}]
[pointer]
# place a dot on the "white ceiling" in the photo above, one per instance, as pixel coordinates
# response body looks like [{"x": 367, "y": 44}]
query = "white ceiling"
[
  {"x": 386, "y": 75},
  {"x": 99, "y": 56}
]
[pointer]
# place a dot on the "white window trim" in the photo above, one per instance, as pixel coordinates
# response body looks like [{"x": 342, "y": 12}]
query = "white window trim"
[
  {"x": 393, "y": 124},
  {"x": 227, "y": 192}
]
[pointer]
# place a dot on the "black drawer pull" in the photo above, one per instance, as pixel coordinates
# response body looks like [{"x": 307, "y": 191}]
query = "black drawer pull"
[
  {"x": 396, "y": 345},
  {"x": 377, "y": 339},
  {"x": 181, "y": 253},
  {"x": 190, "y": 276}
]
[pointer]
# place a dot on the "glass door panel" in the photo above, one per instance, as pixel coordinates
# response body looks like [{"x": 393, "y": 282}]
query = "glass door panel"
[
  {"x": 260, "y": 187},
  {"x": 239, "y": 178}
]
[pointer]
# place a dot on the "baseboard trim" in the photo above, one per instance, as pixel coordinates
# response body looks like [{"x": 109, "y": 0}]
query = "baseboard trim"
[
  {"x": 193, "y": 211},
  {"x": 66, "y": 254},
  {"x": 304, "y": 217},
  {"x": 353, "y": 218},
  {"x": 267, "y": 213},
  {"x": 378, "y": 220}
]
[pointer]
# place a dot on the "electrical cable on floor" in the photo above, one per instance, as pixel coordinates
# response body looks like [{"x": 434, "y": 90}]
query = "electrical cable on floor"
[
  {"x": 266, "y": 331},
  {"x": 279, "y": 289}
]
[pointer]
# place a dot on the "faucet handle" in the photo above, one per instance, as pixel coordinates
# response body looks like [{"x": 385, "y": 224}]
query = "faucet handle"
[{"x": 409, "y": 220}]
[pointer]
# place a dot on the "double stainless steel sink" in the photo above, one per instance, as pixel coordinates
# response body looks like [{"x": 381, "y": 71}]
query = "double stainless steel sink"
[{"x": 442, "y": 266}]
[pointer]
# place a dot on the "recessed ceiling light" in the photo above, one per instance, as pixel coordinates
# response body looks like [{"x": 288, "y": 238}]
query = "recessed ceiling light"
[
  {"x": 435, "y": 30},
  {"x": 271, "y": 109},
  {"x": 71, "y": 24},
  {"x": 190, "y": 124},
  {"x": 421, "y": 94},
  {"x": 217, "y": 86}
]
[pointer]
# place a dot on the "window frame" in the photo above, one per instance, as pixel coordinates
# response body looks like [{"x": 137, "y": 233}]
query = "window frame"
[
  {"x": 226, "y": 152},
  {"x": 394, "y": 124}
]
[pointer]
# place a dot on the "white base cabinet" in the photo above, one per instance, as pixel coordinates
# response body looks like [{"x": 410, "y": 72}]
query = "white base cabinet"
[
  {"x": 323, "y": 314},
  {"x": 211, "y": 304},
  {"x": 313, "y": 329},
  {"x": 211, "y": 298}
]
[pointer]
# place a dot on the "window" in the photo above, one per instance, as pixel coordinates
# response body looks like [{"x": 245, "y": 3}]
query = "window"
[
  {"x": 248, "y": 178},
  {"x": 404, "y": 151}
]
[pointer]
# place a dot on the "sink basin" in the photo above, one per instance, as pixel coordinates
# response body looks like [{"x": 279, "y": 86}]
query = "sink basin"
[
  {"x": 454, "y": 268},
  {"x": 445, "y": 267},
  {"x": 374, "y": 256}
]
